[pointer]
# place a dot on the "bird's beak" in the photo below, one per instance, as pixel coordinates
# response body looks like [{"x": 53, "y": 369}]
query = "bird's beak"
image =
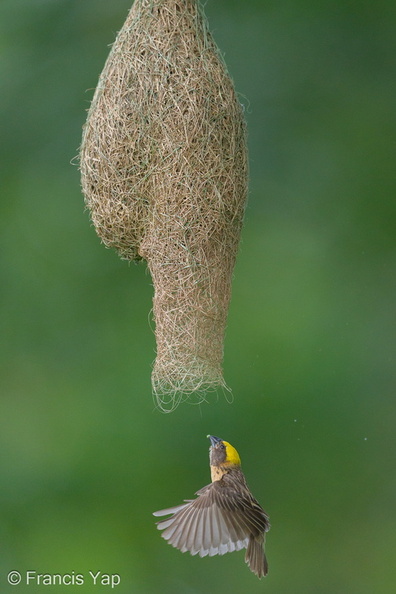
[{"x": 214, "y": 440}]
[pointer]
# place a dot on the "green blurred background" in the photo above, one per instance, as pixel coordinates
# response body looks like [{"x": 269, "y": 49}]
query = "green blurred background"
[{"x": 310, "y": 345}]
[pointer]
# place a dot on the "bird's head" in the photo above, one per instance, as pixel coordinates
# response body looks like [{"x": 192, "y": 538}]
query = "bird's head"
[{"x": 222, "y": 454}]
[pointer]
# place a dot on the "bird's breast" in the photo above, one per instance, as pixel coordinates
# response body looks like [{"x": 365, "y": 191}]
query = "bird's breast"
[{"x": 217, "y": 473}]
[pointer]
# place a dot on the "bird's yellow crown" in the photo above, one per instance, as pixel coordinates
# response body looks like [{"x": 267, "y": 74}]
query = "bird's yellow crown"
[{"x": 232, "y": 456}]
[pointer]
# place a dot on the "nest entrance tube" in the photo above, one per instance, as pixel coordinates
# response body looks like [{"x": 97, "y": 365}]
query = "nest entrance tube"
[{"x": 164, "y": 173}]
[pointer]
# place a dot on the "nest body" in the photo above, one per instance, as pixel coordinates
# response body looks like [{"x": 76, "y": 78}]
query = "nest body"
[{"x": 164, "y": 174}]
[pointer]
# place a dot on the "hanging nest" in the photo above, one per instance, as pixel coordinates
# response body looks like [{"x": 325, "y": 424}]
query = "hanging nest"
[{"x": 164, "y": 174}]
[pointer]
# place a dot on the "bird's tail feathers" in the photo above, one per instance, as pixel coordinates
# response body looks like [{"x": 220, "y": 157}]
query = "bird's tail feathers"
[{"x": 255, "y": 558}]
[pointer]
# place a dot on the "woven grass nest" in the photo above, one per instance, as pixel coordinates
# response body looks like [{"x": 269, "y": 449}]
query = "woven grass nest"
[{"x": 164, "y": 173}]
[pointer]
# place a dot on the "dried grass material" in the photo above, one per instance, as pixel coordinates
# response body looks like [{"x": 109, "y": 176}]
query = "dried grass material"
[{"x": 164, "y": 173}]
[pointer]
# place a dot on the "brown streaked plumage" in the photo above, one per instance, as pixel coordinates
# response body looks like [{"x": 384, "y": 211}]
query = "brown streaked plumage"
[{"x": 225, "y": 517}]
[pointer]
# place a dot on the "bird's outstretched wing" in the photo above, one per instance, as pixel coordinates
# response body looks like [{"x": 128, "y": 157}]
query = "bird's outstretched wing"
[{"x": 222, "y": 519}]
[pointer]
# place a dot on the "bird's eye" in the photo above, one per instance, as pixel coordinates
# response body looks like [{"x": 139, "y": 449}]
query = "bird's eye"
[{"x": 222, "y": 446}]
